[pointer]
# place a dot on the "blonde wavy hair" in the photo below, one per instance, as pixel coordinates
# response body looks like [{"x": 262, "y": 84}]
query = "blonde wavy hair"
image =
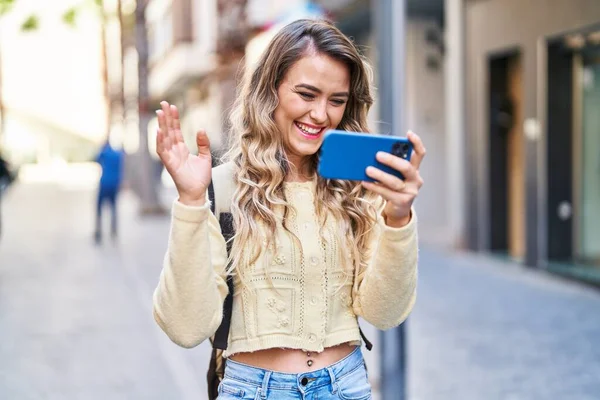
[{"x": 258, "y": 152}]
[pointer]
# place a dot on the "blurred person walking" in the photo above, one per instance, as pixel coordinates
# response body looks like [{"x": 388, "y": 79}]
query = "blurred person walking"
[
  {"x": 111, "y": 163},
  {"x": 308, "y": 255}
]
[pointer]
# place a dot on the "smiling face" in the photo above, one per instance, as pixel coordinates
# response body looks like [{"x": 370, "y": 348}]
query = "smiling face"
[{"x": 312, "y": 99}]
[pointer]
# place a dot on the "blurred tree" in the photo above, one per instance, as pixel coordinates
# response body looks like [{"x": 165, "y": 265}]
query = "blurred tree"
[
  {"x": 69, "y": 17},
  {"x": 231, "y": 43},
  {"x": 6, "y": 5},
  {"x": 124, "y": 27},
  {"x": 30, "y": 24},
  {"x": 232, "y": 37},
  {"x": 149, "y": 200},
  {"x": 130, "y": 25}
]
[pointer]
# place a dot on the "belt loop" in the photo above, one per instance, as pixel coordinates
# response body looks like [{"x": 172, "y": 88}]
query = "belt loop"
[
  {"x": 265, "y": 385},
  {"x": 334, "y": 385}
]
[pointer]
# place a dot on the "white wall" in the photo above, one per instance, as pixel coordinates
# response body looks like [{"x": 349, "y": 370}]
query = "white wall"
[
  {"x": 425, "y": 106},
  {"x": 265, "y": 12},
  {"x": 205, "y": 24}
]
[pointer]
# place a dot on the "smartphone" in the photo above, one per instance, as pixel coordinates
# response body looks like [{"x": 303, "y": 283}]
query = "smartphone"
[{"x": 346, "y": 155}]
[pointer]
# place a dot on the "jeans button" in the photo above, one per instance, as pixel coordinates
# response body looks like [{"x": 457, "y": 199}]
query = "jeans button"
[{"x": 304, "y": 381}]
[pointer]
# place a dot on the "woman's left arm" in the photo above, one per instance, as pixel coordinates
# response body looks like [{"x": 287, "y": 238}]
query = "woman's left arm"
[{"x": 385, "y": 293}]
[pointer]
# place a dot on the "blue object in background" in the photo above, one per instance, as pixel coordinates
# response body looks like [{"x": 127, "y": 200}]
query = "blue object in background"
[{"x": 111, "y": 162}]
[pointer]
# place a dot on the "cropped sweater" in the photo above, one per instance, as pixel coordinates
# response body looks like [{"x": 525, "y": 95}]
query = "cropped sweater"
[{"x": 307, "y": 302}]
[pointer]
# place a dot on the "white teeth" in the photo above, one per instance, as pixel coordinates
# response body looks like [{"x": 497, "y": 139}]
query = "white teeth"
[{"x": 311, "y": 131}]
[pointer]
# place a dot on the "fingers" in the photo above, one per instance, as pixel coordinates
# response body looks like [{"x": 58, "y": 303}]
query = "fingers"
[
  {"x": 176, "y": 123},
  {"x": 405, "y": 167},
  {"x": 162, "y": 136},
  {"x": 418, "y": 149},
  {"x": 203, "y": 143},
  {"x": 389, "y": 194},
  {"x": 159, "y": 142},
  {"x": 384, "y": 192},
  {"x": 398, "y": 193},
  {"x": 163, "y": 142},
  {"x": 162, "y": 122},
  {"x": 166, "y": 109},
  {"x": 392, "y": 182},
  {"x": 169, "y": 124},
  {"x": 169, "y": 135},
  {"x": 175, "y": 117}
]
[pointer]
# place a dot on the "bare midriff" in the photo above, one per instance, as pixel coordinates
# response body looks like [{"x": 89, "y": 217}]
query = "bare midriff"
[{"x": 293, "y": 361}]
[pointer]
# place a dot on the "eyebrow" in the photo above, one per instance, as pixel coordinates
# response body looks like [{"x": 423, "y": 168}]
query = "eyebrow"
[{"x": 314, "y": 89}]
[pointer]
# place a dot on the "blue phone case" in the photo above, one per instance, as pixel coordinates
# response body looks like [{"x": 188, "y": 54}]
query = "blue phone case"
[{"x": 346, "y": 155}]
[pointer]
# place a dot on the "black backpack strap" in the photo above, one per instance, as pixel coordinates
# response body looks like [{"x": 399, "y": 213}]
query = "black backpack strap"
[
  {"x": 226, "y": 221},
  {"x": 368, "y": 344},
  {"x": 211, "y": 197},
  {"x": 222, "y": 334}
]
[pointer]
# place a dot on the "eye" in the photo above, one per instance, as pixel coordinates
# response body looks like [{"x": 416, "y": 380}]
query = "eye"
[
  {"x": 307, "y": 96},
  {"x": 338, "y": 102}
]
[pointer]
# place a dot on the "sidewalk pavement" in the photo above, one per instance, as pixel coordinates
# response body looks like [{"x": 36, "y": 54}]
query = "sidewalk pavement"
[{"x": 76, "y": 318}]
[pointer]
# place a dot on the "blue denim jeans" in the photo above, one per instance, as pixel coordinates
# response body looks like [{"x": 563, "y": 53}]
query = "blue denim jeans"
[{"x": 347, "y": 380}]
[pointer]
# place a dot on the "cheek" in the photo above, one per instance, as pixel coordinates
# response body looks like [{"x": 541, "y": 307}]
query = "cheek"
[
  {"x": 336, "y": 115},
  {"x": 292, "y": 106},
  {"x": 281, "y": 115}
]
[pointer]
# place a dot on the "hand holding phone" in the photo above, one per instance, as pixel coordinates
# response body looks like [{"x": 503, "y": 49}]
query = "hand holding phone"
[{"x": 346, "y": 155}]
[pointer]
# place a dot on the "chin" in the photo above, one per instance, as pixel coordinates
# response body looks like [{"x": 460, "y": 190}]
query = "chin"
[{"x": 307, "y": 150}]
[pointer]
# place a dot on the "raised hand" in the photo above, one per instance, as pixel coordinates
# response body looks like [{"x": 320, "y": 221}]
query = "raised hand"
[{"x": 191, "y": 173}]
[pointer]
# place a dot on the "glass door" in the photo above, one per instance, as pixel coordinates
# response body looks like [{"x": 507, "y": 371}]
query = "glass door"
[{"x": 589, "y": 234}]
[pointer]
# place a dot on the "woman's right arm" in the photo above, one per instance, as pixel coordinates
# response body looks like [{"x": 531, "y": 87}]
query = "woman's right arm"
[{"x": 188, "y": 302}]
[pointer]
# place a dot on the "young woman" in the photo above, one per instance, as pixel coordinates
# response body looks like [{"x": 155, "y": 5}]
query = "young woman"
[{"x": 310, "y": 255}]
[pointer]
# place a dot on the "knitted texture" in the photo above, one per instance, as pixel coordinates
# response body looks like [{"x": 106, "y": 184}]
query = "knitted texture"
[{"x": 308, "y": 303}]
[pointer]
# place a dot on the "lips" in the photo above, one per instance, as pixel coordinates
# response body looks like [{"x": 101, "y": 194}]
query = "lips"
[{"x": 309, "y": 131}]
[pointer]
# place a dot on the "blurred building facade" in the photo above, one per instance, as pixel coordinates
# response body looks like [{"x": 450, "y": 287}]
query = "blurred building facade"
[
  {"x": 199, "y": 50},
  {"x": 182, "y": 36},
  {"x": 424, "y": 100},
  {"x": 184, "y": 70},
  {"x": 503, "y": 93},
  {"x": 533, "y": 129}
]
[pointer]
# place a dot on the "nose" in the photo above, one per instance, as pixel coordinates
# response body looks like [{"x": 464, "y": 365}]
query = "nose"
[{"x": 318, "y": 113}]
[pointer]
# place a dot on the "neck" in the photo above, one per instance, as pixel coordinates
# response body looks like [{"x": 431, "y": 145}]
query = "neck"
[{"x": 299, "y": 169}]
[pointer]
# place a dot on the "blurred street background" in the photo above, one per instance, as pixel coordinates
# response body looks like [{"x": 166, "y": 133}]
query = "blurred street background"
[{"x": 504, "y": 93}]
